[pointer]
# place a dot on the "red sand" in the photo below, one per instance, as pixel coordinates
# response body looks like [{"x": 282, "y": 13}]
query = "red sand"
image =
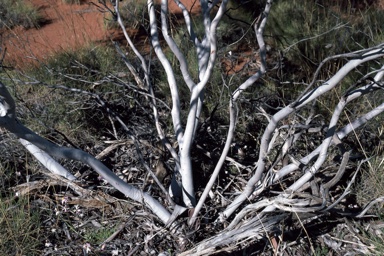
[{"x": 69, "y": 27}]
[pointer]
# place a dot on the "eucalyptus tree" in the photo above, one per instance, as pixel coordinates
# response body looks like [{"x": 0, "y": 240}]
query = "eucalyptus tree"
[{"x": 249, "y": 211}]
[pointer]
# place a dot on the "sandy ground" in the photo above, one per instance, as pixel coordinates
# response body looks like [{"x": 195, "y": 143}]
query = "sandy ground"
[{"x": 68, "y": 27}]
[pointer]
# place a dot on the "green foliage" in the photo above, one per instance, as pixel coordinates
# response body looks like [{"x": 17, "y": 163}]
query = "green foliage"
[
  {"x": 376, "y": 240},
  {"x": 372, "y": 235},
  {"x": 371, "y": 185},
  {"x": 90, "y": 63},
  {"x": 133, "y": 13},
  {"x": 6, "y": 173},
  {"x": 19, "y": 13},
  {"x": 74, "y": 114},
  {"x": 307, "y": 32},
  {"x": 304, "y": 33},
  {"x": 98, "y": 235},
  {"x": 321, "y": 251},
  {"x": 20, "y": 227}
]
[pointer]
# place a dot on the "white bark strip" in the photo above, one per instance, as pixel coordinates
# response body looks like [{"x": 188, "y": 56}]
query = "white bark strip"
[
  {"x": 9, "y": 122},
  {"x": 47, "y": 160},
  {"x": 372, "y": 54}
]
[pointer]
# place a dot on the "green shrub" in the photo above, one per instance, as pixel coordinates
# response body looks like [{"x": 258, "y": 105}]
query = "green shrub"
[
  {"x": 307, "y": 32},
  {"x": 20, "y": 228},
  {"x": 74, "y": 114},
  {"x": 98, "y": 235},
  {"x": 19, "y": 13},
  {"x": 133, "y": 13},
  {"x": 371, "y": 185},
  {"x": 90, "y": 63}
]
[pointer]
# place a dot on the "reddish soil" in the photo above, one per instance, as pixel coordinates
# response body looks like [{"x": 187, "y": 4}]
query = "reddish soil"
[
  {"x": 68, "y": 27},
  {"x": 71, "y": 26},
  {"x": 191, "y": 5}
]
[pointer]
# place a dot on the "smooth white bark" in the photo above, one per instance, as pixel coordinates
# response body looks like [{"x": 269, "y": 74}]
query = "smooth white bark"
[
  {"x": 206, "y": 55},
  {"x": 46, "y": 160},
  {"x": 233, "y": 111},
  {"x": 9, "y": 121},
  {"x": 366, "y": 56}
]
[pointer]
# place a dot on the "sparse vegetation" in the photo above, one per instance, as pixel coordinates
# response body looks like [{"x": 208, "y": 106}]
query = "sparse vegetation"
[
  {"x": 73, "y": 1},
  {"x": 133, "y": 13},
  {"x": 97, "y": 236},
  {"x": 19, "y": 13},
  {"x": 373, "y": 236},
  {"x": 371, "y": 185},
  {"x": 20, "y": 225},
  {"x": 306, "y": 32},
  {"x": 92, "y": 64},
  {"x": 88, "y": 95}
]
